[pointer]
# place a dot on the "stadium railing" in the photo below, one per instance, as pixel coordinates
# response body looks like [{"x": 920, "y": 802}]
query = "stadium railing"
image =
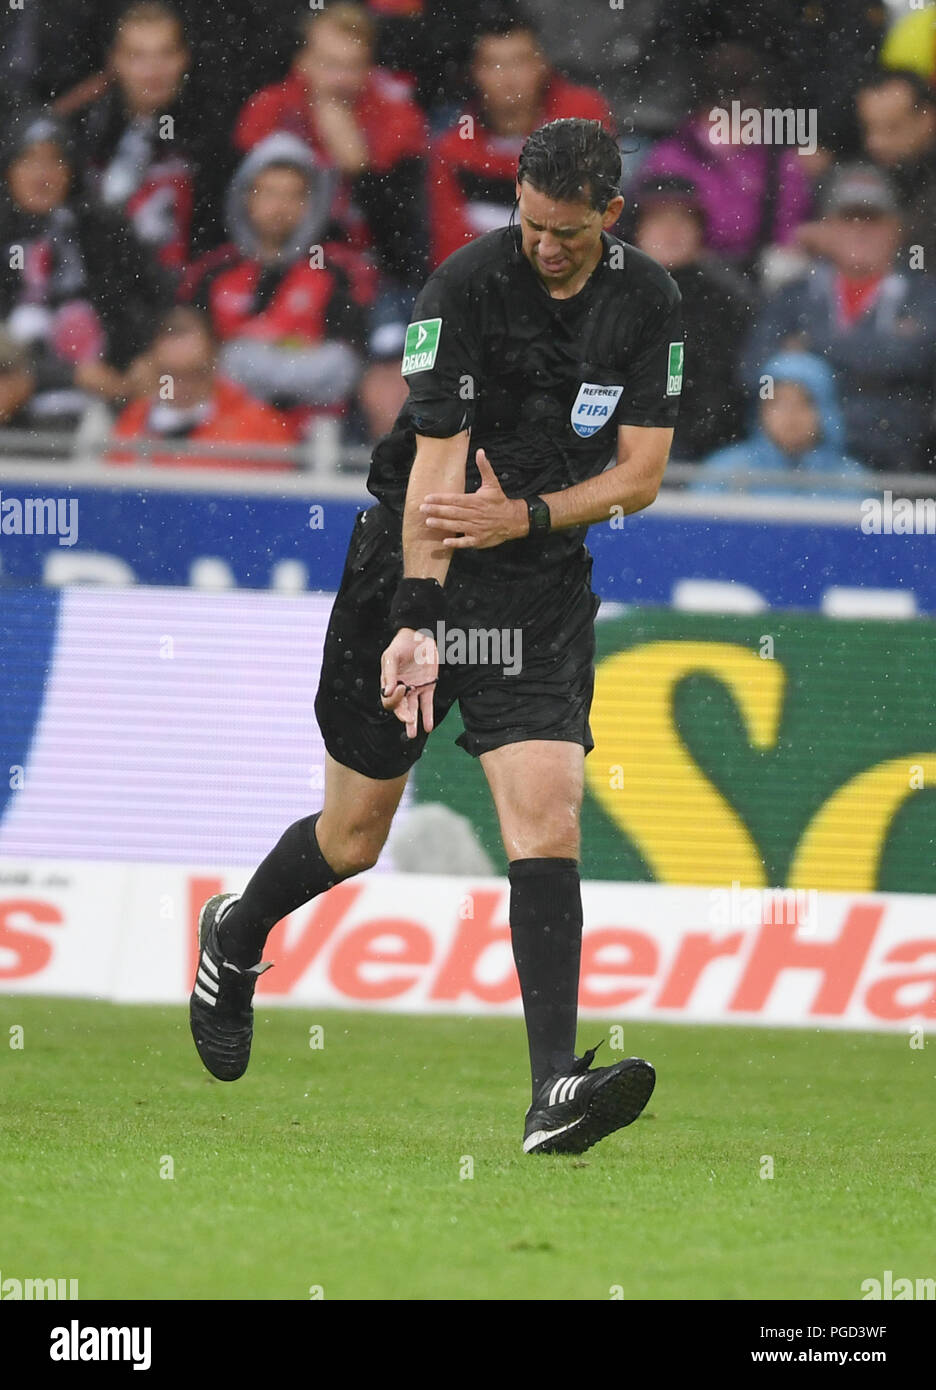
[{"x": 326, "y": 465}]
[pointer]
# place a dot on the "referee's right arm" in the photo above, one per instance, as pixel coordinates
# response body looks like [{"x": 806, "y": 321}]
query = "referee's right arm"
[
  {"x": 439, "y": 466},
  {"x": 441, "y": 365},
  {"x": 440, "y": 360},
  {"x": 409, "y": 668}
]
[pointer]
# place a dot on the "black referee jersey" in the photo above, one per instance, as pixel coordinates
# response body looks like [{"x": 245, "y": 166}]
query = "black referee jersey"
[{"x": 541, "y": 383}]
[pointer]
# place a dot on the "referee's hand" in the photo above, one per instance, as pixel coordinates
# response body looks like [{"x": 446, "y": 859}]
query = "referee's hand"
[
  {"x": 409, "y": 672},
  {"x": 477, "y": 520}
]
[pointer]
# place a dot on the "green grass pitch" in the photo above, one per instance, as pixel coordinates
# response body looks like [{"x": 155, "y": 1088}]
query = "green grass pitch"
[{"x": 345, "y": 1168}]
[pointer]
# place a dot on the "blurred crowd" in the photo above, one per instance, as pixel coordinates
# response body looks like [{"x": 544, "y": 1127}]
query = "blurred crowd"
[{"x": 215, "y": 219}]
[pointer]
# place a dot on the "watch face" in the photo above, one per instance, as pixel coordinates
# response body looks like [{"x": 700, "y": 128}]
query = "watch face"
[{"x": 539, "y": 517}]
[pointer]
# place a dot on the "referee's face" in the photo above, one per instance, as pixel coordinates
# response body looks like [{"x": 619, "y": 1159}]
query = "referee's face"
[{"x": 562, "y": 241}]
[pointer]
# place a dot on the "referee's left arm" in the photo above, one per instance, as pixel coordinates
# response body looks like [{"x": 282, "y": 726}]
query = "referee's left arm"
[
  {"x": 488, "y": 517},
  {"x": 629, "y": 486}
]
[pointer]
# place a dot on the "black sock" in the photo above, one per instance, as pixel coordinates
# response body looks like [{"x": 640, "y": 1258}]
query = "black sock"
[
  {"x": 546, "y": 936},
  {"x": 293, "y": 872}
]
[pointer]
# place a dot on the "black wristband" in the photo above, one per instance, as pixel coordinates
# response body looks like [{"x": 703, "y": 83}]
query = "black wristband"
[
  {"x": 418, "y": 603},
  {"x": 540, "y": 518}
]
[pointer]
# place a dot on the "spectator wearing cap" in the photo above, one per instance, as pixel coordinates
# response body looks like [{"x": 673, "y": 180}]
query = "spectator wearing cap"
[
  {"x": 897, "y": 111},
  {"x": 669, "y": 225},
  {"x": 132, "y": 137},
  {"x": 754, "y": 195},
  {"x": 194, "y": 404},
  {"x": 77, "y": 289},
  {"x": 280, "y": 294},
  {"x": 473, "y": 170},
  {"x": 799, "y": 436},
  {"x": 873, "y": 322}
]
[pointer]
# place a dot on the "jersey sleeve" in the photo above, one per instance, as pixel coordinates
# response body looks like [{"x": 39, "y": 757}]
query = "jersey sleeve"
[
  {"x": 442, "y": 359},
  {"x": 655, "y": 371}
]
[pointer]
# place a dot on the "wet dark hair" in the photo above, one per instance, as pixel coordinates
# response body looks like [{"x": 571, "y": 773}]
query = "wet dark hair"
[{"x": 572, "y": 160}]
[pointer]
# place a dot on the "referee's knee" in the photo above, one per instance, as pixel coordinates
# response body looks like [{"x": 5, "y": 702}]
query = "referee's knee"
[
  {"x": 351, "y": 852},
  {"x": 543, "y": 846}
]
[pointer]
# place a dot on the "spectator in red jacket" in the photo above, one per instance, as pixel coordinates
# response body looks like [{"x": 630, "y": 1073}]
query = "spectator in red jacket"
[
  {"x": 473, "y": 169},
  {"x": 279, "y": 294},
  {"x": 192, "y": 404},
  {"x": 132, "y": 138},
  {"x": 361, "y": 121}
]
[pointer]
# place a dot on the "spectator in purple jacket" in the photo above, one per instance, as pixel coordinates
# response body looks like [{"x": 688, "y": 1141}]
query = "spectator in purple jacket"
[{"x": 753, "y": 195}]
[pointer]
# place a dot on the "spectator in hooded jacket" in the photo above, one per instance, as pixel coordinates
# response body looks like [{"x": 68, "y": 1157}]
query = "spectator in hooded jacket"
[
  {"x": 77, "y": 289},
  {"x": 473, "y": 170},
  {"x": 279, "y": 294},
  {"x": 194, "y": 404},
  {"x": 132, "y": 137},
  {"x": 873, "y": 321},
  {"x": 799, "y": 435}
]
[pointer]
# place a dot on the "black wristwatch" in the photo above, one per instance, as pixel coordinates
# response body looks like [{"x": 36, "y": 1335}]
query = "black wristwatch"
[{"x": 540, "y": 520}]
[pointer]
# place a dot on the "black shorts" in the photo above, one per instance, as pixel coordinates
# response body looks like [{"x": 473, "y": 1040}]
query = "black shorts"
[{"x": 518, "y": 655}]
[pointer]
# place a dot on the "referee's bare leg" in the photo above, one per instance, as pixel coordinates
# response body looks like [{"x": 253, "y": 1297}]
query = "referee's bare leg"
[
  {"x": 537, "y": 788},
  {"x": 356, "y": 818},
  {"x": 342, "y": 839}
]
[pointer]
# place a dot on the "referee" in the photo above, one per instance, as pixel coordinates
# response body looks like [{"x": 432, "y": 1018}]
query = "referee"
[{"x": 539, "y": 354}]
